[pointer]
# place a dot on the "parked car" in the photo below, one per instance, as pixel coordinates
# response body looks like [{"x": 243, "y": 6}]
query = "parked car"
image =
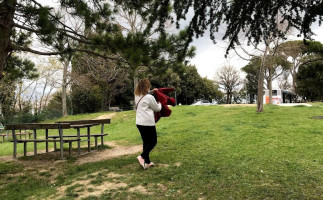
[{"x": 202, "y": 103}]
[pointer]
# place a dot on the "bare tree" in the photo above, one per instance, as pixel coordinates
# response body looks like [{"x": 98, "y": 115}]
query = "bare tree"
[
  {"x": 64, "y": 86},
  {"x": 22, "y": 87},
  {"x": 228, "y": 79},
  {"x": 283, "y": 82},
  {"x": 38, "y": 90},
  {"x": 90, "y": 70}
]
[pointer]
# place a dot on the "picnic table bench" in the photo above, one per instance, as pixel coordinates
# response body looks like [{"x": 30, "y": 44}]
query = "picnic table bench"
[
  {"x": 78, "y": 124},
  {"x": 115, "y": 109},
  {"x": 20, "y": 134},
  {"x": 33, "y": 126}
]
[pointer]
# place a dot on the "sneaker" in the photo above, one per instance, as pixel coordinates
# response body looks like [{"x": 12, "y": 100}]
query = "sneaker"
[
  {"x": 141, "y": 161},
  {"x": 151, "y": 164}
]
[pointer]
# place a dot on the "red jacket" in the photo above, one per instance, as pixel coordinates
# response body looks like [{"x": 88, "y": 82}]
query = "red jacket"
[{"x": 165, "y": 100}]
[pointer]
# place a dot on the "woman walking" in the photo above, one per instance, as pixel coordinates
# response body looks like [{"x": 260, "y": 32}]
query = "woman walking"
[{"x": 146, "y": 105}]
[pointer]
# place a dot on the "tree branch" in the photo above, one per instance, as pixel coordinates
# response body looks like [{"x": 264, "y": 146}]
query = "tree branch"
[
  {"x": 60, "y": 30},
  {"x": 240, "y": 55},
  {"x": 64, "y": 25},
  {"x": 27, "y": 49},
  {"x": 309, "y": 61}
]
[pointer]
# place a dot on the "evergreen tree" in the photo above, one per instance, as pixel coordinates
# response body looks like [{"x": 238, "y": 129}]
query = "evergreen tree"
[
  {"x": 310, "y": 80},
  {"x": 255, "y": 18},
  {"x": 300, "y": 53},
  {"x": 23, "y": 21},
  {"x": 252, "y": 70}
]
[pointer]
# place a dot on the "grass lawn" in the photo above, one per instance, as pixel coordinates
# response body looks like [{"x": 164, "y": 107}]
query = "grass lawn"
[{"x": 203, "y": 152}]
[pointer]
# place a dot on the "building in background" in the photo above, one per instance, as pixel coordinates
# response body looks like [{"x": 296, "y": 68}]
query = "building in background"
[{"x": 280, "y": 96}]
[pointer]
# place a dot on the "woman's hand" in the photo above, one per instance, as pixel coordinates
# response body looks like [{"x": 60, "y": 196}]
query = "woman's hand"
[{"x": 154, "y": 90}]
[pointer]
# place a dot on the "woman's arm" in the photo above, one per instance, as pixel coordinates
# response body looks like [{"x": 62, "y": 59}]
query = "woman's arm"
[{"x": 153, "y": 104}]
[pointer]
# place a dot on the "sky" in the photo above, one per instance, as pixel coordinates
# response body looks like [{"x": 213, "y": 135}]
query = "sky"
[{"x": 210, "y": 57}]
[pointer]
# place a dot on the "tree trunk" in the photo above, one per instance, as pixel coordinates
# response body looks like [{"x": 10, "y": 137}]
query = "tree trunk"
[
  {"x": 6, "y": 25},
  {"x": 260, "y": 92},
  {"x": 270, "y": 85},
  {"x": 19, "y": 97},
  {"x": 294, "y": 73},
  {"x": 230, "y": 97},
  {"x": 64, "y": 87},
  {"x": 71, "y": 100},
  {"x": 40, "y": 107},
  {"x": 135, "y": 83}
]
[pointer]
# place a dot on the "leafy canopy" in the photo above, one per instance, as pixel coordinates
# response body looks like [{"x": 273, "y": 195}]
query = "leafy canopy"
[{"x": 256, "y": 19}]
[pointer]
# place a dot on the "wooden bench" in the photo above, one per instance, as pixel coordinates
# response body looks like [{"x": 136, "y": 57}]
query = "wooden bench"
[
  {"x": 115, "y": 109},
  {"x": 87, "y": 124},
  {"x": 33, "y": 126},
  {"x": 20, "y": 134}
]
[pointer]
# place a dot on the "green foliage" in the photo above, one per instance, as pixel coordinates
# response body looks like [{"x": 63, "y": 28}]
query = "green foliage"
[
  {"x": 211, "y": 90},
  {"x": 47, "y": 114},
  {"x": 87, "y": 100},
  {"x": 310, "y": 80},
  {"x": 157, "y": 59},
  {"x": 256, "y": 19},
  {"x": 18, "y": 68},
  {"x": 314, "y": 47},
  {"x": 252, "y": 70},
  {"x": 298, "y": 48},
  {"x": 192, "y": 87},
  {"x": 239, "y": 96},
  {"x": 7, "y": 98},
  {"x": 24, "y": 115},
  {"x": 55, "y": 105}
]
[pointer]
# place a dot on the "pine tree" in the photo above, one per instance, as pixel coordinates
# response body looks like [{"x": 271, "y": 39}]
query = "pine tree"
[
  {"x": 24, "y": 21},
  {"x": 255, "y": 18}
]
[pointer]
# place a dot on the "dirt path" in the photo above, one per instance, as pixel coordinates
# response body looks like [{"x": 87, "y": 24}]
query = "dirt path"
[
  {"x": 106, "y": 154},
  {"x": 44, "y": 159},
  {"x": 106, "y": 116},
  {"x": 238, "y": 105}
]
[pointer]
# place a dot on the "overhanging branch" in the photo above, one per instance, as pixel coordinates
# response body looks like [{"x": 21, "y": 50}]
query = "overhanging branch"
[
  {"x": 27, "y": 49},
  {"x": 313, "y": 60},
  {"x": 60, "y": 30}
]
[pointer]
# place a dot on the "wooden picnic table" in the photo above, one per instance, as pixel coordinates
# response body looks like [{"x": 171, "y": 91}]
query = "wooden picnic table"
[
  {"x": 78, "y": 127},
  {"x": 88, "y": 126},
  {"x": 78, "y": 124},
  {"x": 34, "y": 126},
  {"x": 61, "y": 138}
]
